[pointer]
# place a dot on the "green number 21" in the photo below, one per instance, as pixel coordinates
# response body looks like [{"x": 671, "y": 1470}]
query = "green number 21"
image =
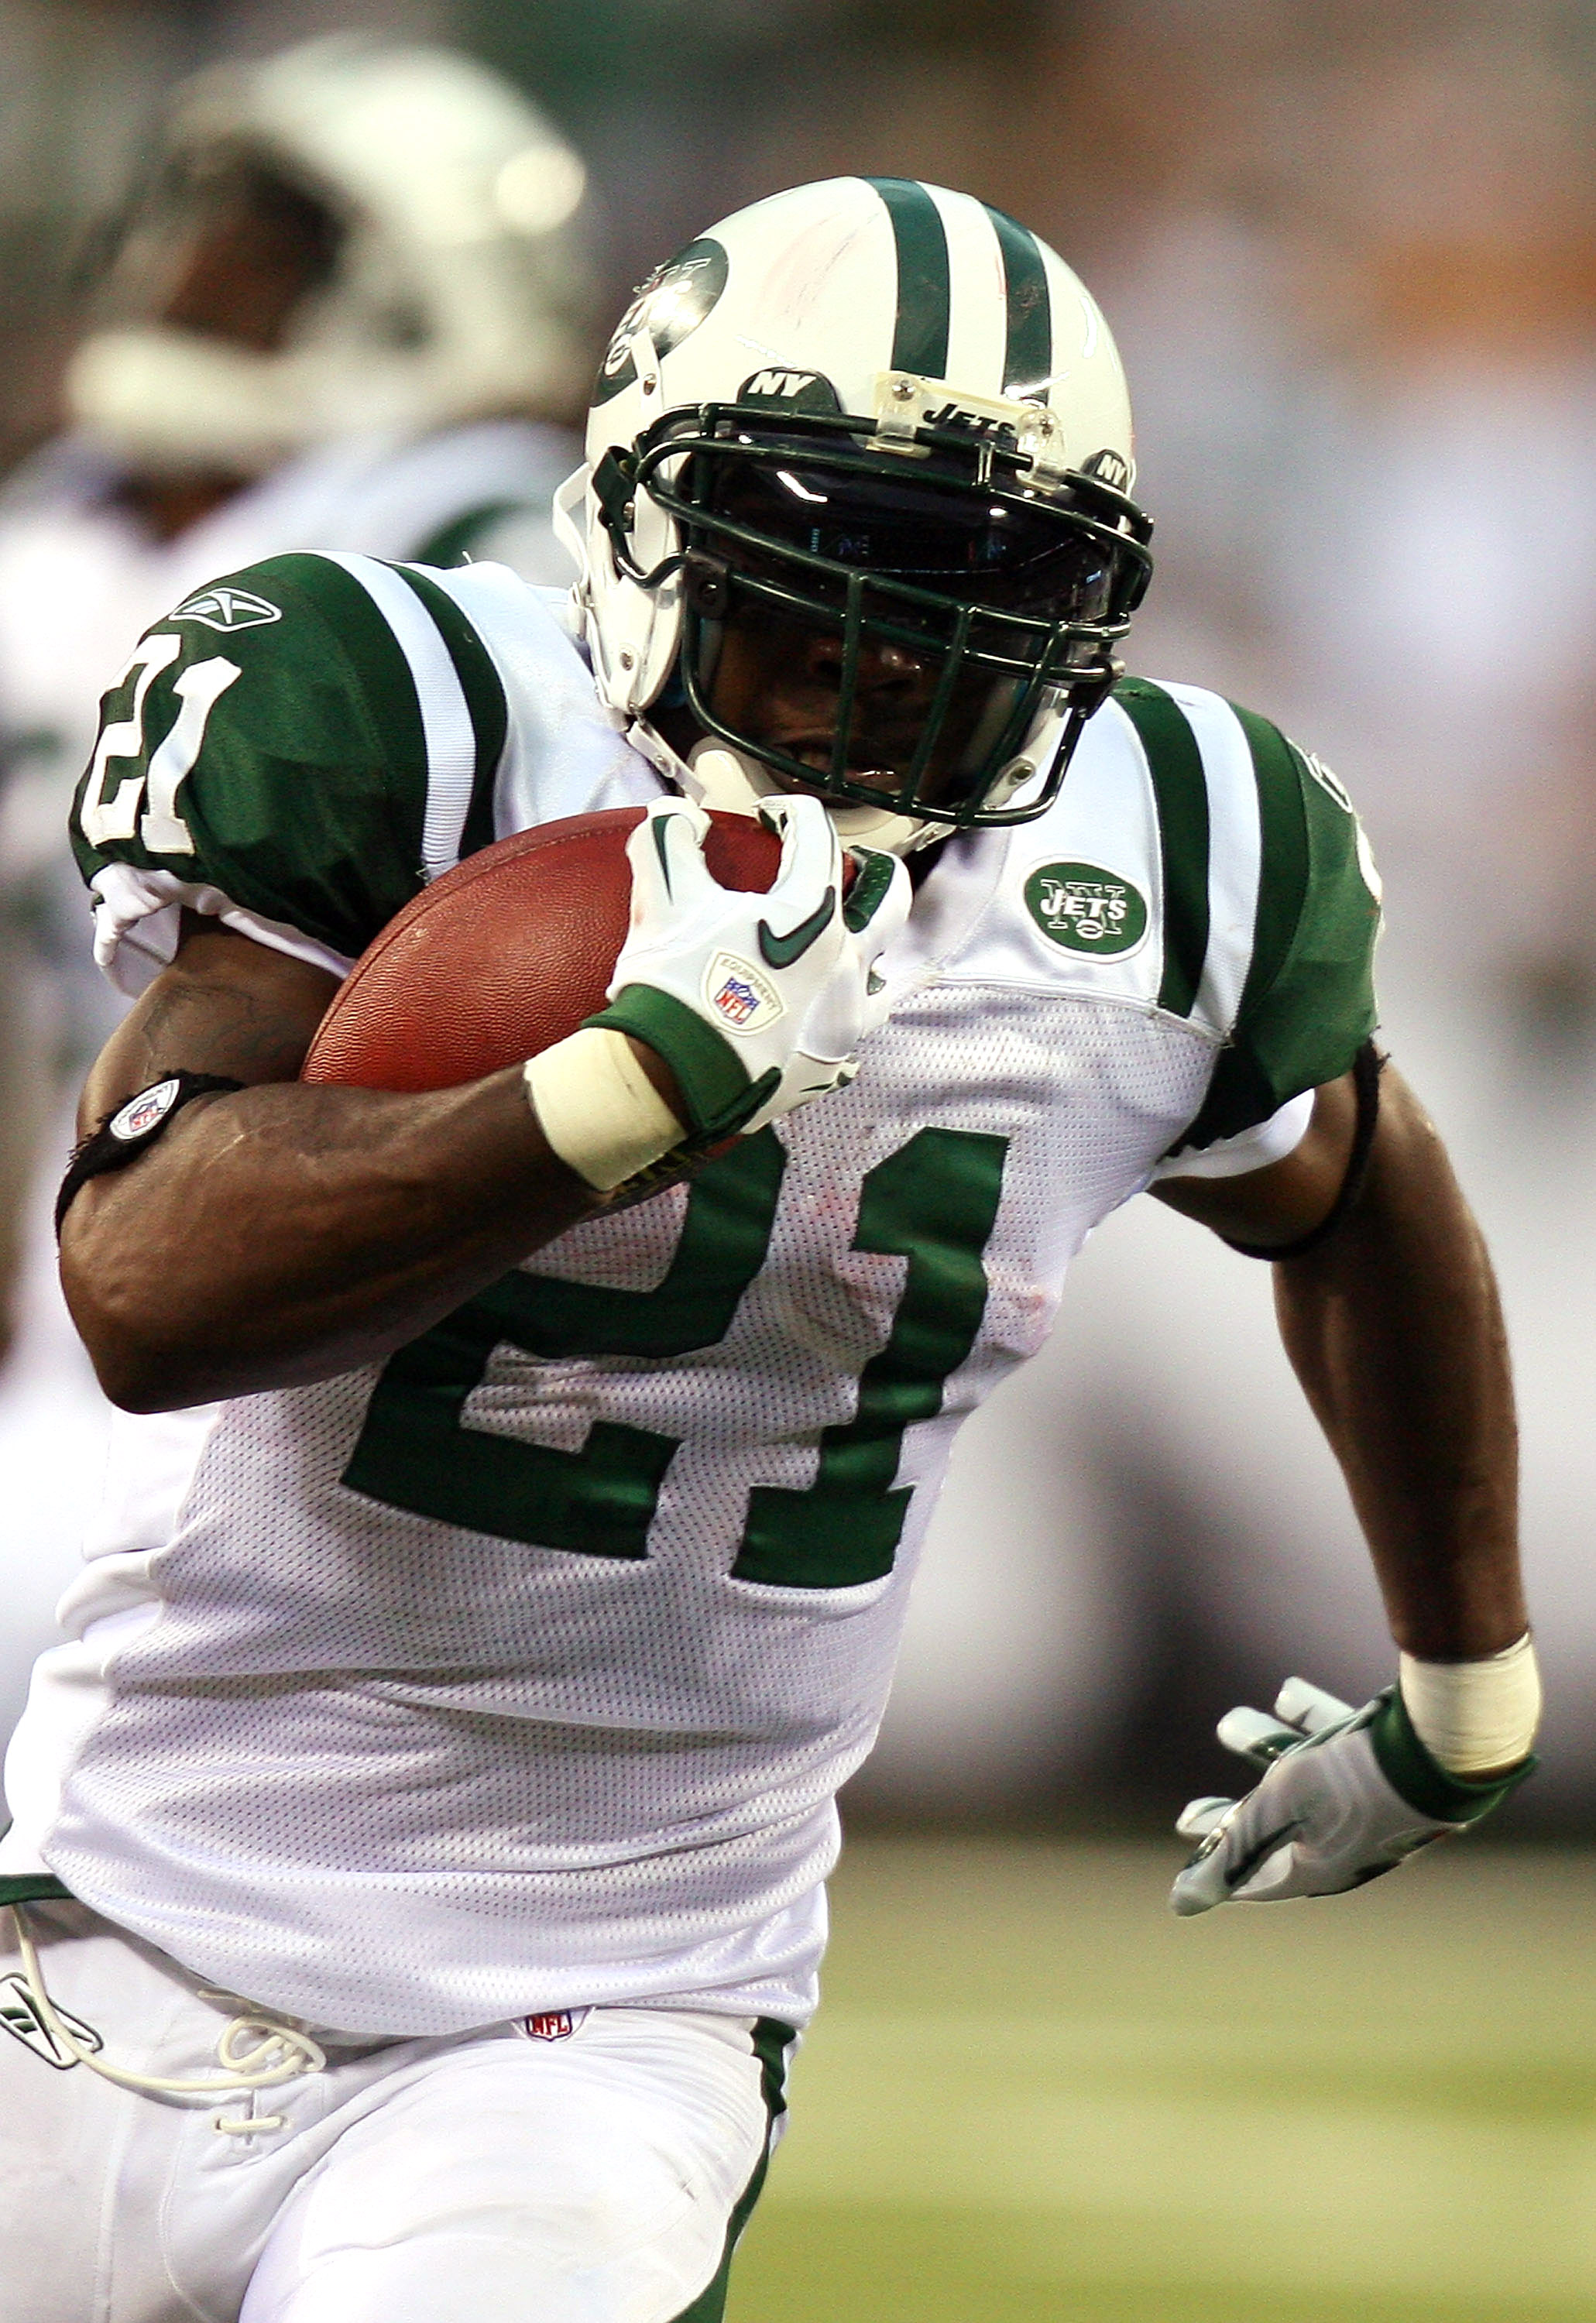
[{"x": 934, "y": 1202}]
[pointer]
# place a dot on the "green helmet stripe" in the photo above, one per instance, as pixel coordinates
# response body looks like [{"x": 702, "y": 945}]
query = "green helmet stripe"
[
  {"x": 920, "y": 333},
  {"x": 1179, "y": 786},
  {"x": 1028, "y": 357}
]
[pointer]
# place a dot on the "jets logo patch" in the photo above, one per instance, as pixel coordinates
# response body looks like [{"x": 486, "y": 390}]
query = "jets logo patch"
[
  {"x": 1085, "y": 909},
  {"x": 669, "y": 306},
  {"x": 19, "y": 2014},
  {"x": 1331, "y": 787},
  {"x": 1328, "y": 783},
  {"x": 228, "y": 609}
]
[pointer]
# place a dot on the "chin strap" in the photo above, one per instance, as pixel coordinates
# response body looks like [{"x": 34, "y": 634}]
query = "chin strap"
[{"x": 716, "y": 776}]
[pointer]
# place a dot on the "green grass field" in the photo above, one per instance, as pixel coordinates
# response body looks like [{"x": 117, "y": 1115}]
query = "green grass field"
[{"x": 1032, "y": 2093}]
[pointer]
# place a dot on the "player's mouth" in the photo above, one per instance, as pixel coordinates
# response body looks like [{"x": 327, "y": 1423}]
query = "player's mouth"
[{"x": 868, "y": 755}]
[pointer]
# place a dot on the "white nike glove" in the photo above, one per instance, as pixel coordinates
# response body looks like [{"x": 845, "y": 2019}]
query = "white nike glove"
[
  {"x": 757, "y": 1002},
  {"x": 1347, "y": 1795}
]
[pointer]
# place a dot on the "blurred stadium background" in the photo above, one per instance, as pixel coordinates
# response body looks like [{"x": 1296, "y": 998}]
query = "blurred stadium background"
[{"x": 1348, "y": 250}]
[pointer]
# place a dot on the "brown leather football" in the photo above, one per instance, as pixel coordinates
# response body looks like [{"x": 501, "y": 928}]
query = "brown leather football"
[{"x": 504, "y": 955}]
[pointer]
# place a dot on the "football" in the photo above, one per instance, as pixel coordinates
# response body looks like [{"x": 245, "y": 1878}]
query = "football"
[{"x": 504, "y": 955}]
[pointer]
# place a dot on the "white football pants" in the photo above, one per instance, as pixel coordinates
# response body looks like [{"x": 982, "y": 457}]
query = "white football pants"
[{"x": 580, "y": 2175}]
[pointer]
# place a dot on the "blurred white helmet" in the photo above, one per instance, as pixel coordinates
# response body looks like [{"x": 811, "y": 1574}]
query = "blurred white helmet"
[
  {"x": 878, "y": 410},
  {"x": 444, "y": 270}
]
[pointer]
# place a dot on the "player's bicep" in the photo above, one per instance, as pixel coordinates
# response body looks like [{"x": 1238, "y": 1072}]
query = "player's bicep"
[
  {"x": 1287, "y": 1199},
  {"x": 226, "y": 1005}
]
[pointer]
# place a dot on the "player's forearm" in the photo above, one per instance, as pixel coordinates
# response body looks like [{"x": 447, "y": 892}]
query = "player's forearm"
[
  {"x": 1395, "y": 1330},
  {"x": 284, "y": 1234}
]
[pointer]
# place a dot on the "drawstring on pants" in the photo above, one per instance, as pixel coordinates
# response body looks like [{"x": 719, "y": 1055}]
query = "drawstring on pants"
[{"x": 279, "y": 2053}]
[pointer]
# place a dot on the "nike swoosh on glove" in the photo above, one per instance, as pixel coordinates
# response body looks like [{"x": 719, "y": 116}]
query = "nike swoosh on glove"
[
  {"x": 1347, "y": 1795},
  {"x": 757, "y": 1002}
]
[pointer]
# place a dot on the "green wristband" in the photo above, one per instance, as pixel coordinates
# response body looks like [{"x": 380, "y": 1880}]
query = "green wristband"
[
  {"x": 1426, "y": 1786},
  {"x": 716, "y": 1090}
]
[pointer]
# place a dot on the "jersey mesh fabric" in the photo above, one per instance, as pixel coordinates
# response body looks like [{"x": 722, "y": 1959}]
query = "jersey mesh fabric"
[
  {"x": 523, "y": 1673},
  {"x": 403, "y": 1776}
]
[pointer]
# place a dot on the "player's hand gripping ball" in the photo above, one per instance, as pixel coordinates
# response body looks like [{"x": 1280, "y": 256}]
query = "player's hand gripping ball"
[
  {"x": 742, "y": 950},
  {"x": 756, "y": 1005},
  {"x": 506, "y": 954},
  {"x": 1346, "y": 1795}
]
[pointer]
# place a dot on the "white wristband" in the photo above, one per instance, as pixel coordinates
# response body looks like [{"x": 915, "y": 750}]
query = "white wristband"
[
  {"x": 1473, "y": 1717},
  {"x": 598, "y": 1109}
]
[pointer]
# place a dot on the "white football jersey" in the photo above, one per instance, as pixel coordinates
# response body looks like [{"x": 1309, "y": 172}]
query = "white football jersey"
[{"x": 520, "y": 1671}]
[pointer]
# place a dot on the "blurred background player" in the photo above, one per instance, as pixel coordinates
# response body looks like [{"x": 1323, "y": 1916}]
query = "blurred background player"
[{"x": 347, "y": 309}]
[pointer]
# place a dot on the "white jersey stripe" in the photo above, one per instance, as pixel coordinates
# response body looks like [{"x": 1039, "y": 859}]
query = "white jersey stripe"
[
  {"x": 1235, "y": 843},
  {"x": 445, "y": 719},
  {"x": 978, "y": 324}
]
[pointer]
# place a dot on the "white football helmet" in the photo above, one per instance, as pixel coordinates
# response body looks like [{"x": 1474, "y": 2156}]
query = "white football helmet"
[
  {"x": 876, "y": 410},
  {"x": 451, "y": 281}
]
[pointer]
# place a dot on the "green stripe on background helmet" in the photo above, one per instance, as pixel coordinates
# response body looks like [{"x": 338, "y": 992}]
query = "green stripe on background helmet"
[
  {"x": 920, "y": 332},
  {"x": 1028, "y": 355}
]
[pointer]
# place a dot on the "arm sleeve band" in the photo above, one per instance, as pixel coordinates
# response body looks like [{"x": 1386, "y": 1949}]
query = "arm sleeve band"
[
  {"x": 132, "y": 1129},
  {"x": 1367, "y": 1067}
]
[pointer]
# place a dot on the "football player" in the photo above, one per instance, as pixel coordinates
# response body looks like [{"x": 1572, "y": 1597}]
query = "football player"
[
  {"x": 343, "y": 311},
  {"x": 418, "y": 1850}
]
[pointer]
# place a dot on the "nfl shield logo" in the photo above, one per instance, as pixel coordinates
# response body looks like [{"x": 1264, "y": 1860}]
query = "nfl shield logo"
[
  {"x": 742, "y": 997},
  {"x": 554, "y": 2023},
  {"x": 737, "y": 1000},
  {"x": 141, "y": 1113}
]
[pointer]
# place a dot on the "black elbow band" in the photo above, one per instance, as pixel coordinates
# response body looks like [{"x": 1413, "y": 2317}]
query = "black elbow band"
[
  {"x": 131, "y": 1130},
  {"x": 1367, "y": 1067}
]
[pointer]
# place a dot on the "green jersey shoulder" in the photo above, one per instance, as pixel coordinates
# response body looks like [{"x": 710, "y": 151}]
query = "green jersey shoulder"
[
  {"x": 311, "y": 738},
  {"x": 1270, "y": 902}
]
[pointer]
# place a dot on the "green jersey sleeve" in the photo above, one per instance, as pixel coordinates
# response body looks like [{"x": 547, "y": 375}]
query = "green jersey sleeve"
[
  {"x": 289, "y": 743},
  {"x": 1308, "y": 1004}
]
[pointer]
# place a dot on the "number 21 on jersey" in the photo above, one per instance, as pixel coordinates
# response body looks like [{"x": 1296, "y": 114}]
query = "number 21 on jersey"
[
  {"x": 112, "y": 799},
  {"x": 932, "y": 1203}
]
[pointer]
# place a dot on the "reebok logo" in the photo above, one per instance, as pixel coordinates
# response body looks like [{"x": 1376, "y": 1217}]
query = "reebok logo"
[
  {"x": 19, "y": 2014},
  {"x": 228, "y": 609}
]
